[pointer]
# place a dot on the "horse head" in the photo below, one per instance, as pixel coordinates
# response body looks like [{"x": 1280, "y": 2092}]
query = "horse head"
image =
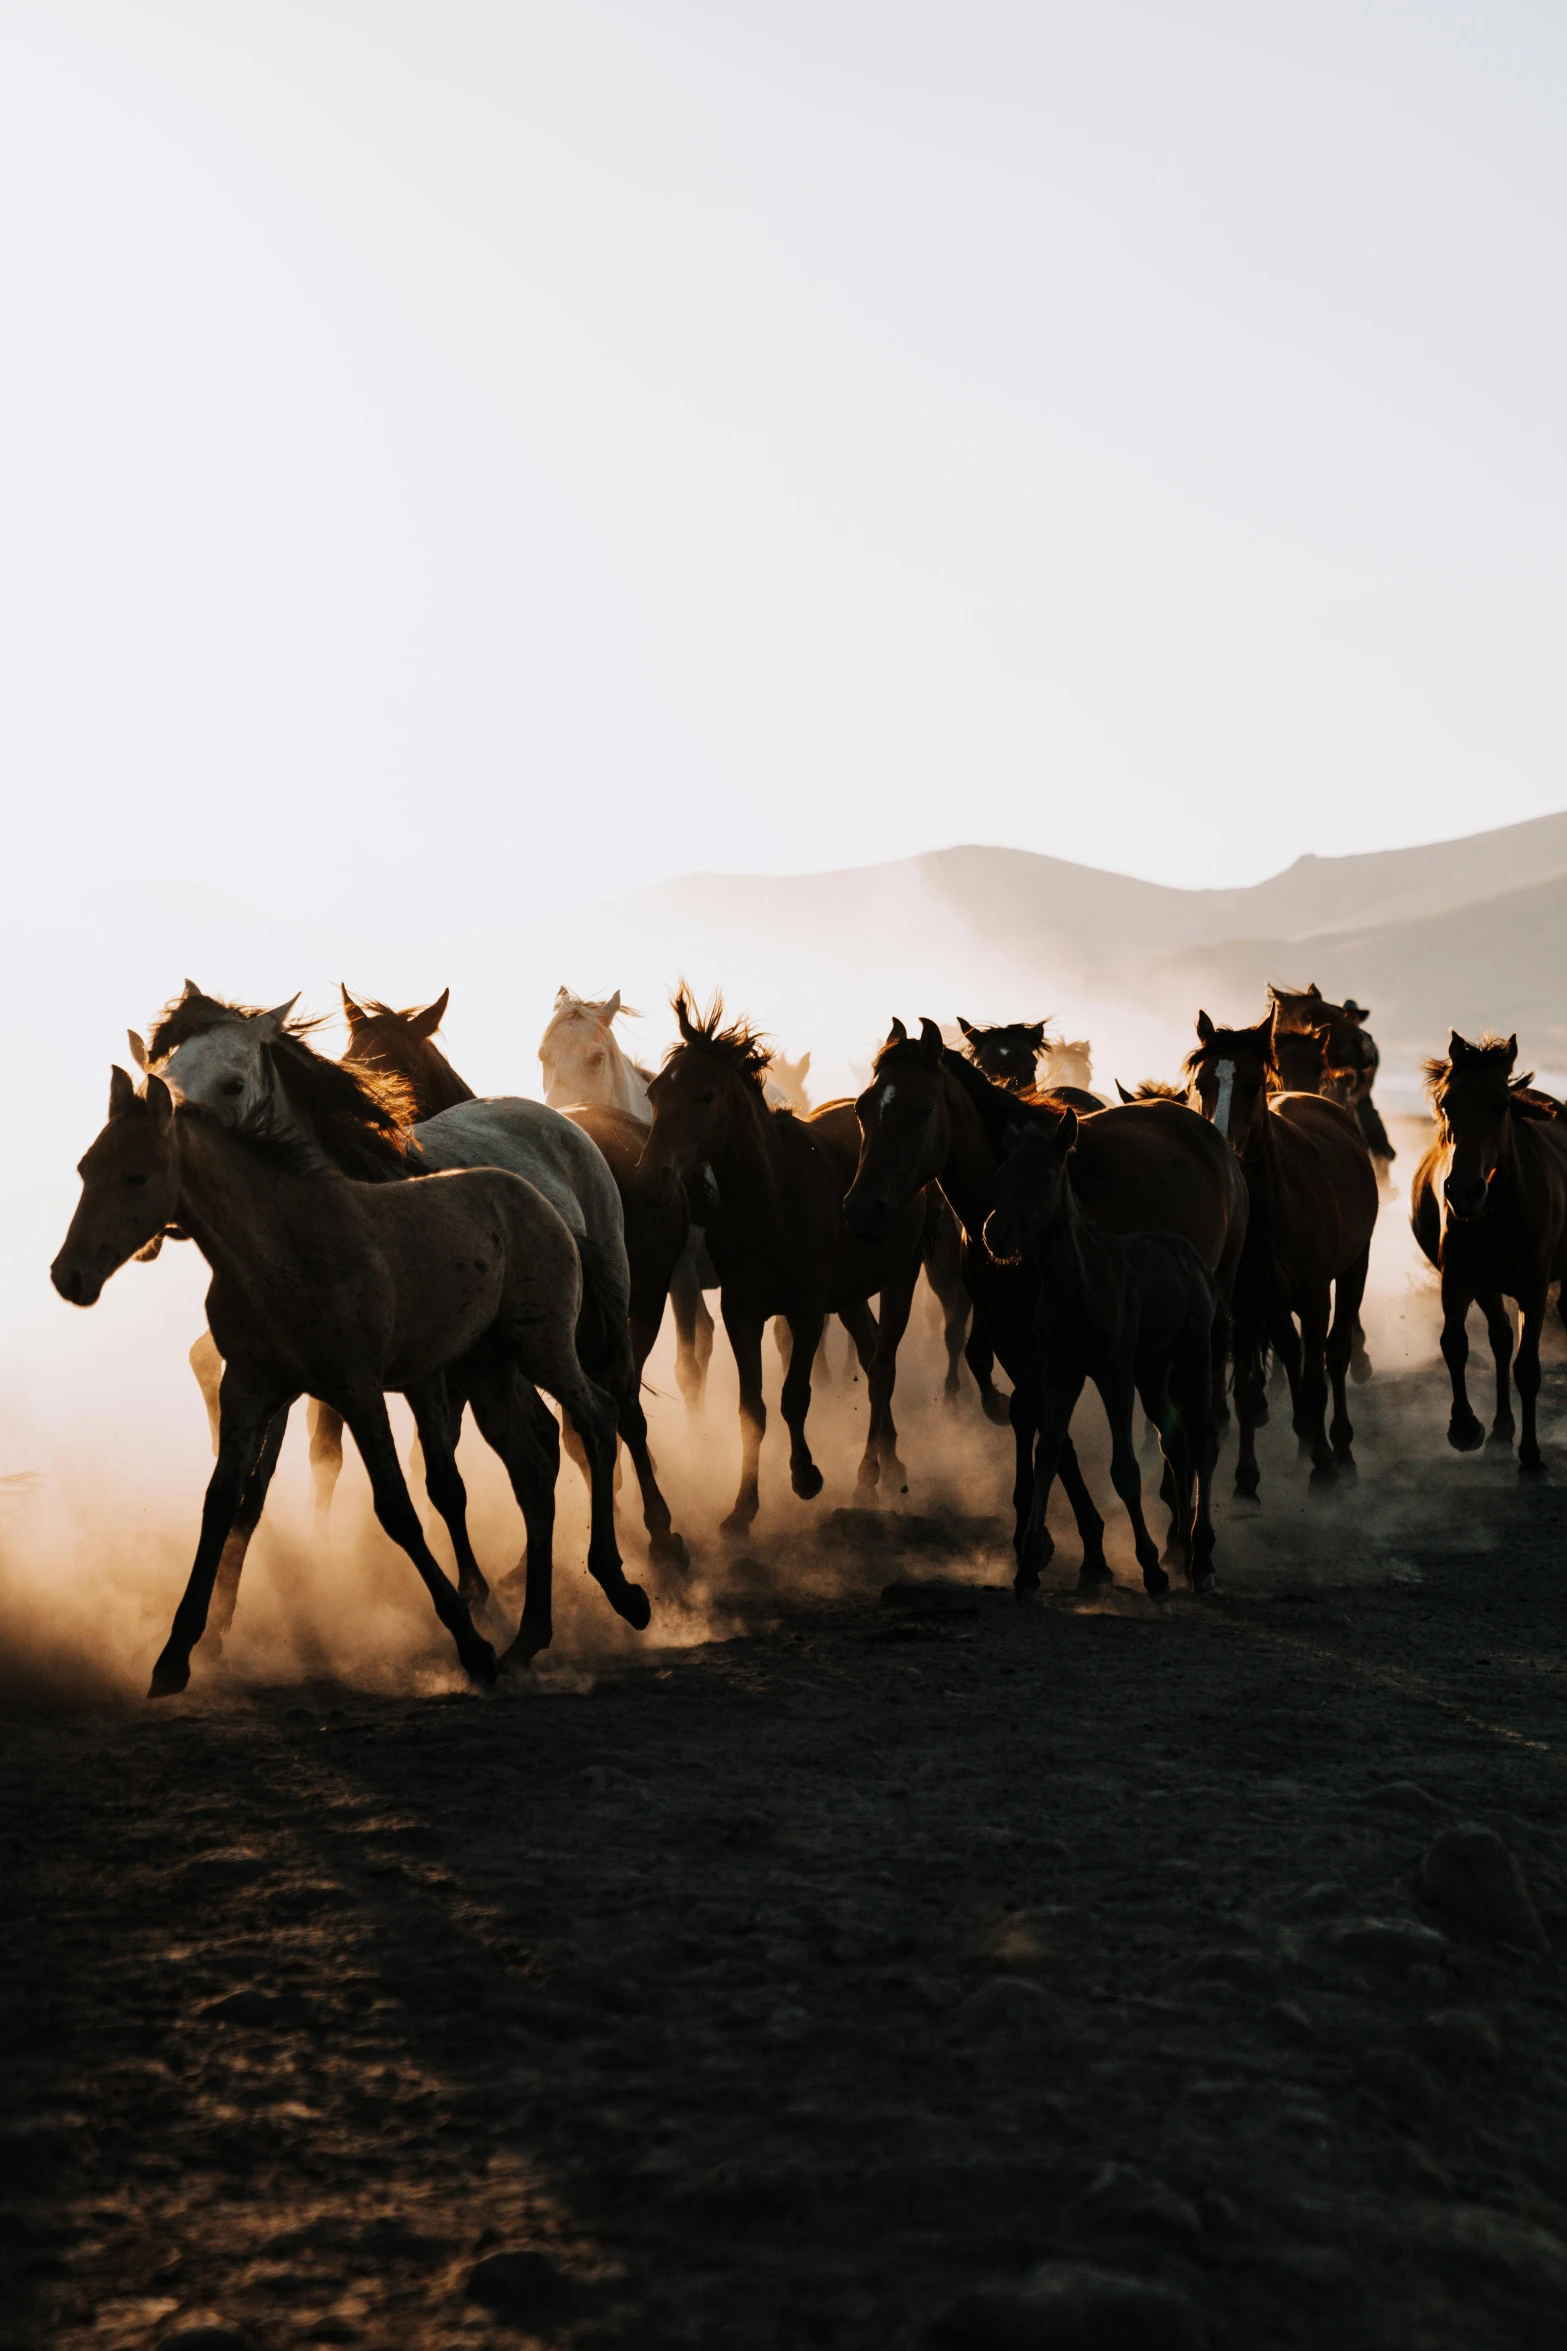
[
  {"x": 130, "y": 1190},
  {"x": 1231, "y": 1070},
  {"x": 1471, "y": 1093},
  {"x": 905, "y": 1130},
  {"x": 1008, "y": 1055},
  {"x": 1031, "y": 1186},
  {"x": 582, "y": 1059},
  {"x": 710, "y": 1083},
  {"x": 400, "y": 1045}
]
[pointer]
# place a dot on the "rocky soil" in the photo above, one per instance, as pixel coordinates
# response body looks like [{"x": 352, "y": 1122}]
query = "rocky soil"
[{"x": 828, "y": 1984}]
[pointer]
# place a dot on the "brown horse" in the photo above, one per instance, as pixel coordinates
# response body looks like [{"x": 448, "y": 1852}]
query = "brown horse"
[
  {"x": 346, "y": 1290},
  {"x": 401, "y": 1045},
  {"x": 1132, "y": 1312},
  {"x": 1009, "y": 1056},
  {"x": 929, "y": 1117},
  {"x": 777, "y": 1237},
  {"x": 1323, "y": 1048},
  {"x": 1489, "y": 1209},
  {"x": 1313, "y": 1208}
]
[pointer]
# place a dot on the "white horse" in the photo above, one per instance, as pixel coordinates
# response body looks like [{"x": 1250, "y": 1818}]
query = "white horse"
[
  {"x": 1068, "y": 1062},
  {"x": 223, "y": 1061}
]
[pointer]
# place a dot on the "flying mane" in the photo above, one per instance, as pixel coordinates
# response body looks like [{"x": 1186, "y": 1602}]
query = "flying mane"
[
  {"x": 1528, "y": 1100},
  {"x": 746, "y": 1047},
  {"x": 357, "y": 1120}
]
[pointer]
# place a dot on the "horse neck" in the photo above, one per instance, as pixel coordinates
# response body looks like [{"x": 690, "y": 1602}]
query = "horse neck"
[
  {"x": 231, "y": 1202},
  {"x": 748, "y": 1169},
  {"x": 436, "y": 1085},
  {"x": 630, "y": 1092},
  {"x": 1061, "y": 1255},
  {"x": 967, "y": 1175}
]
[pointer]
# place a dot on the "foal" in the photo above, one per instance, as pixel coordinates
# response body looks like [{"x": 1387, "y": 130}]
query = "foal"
[{"x": 1134, "y": 1313}]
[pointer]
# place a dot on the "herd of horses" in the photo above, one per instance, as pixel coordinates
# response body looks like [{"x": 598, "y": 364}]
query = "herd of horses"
[{"x": 372, "y": 1227}]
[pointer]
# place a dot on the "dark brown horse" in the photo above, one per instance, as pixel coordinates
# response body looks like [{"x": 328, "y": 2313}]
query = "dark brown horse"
[
  {"x": 1009, "y": 1056},
  {"x": 929, "y": 1117},
  {"x": 402, "y": 1045},
  {"x": 1489, "y": 1209},
  {"x": 1132, "y": 1312},
  {"x": 1313, "y": 1209},
  {"x": 777, "y": 1236},
  {"x": 346, "y": 1290},
  {"x": 1325, "y": 1048}
]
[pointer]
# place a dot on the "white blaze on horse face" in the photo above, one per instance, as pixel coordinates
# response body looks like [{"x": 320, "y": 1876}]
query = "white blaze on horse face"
[
  {"x": 1224, "y": 1071},
  {"x": 889, "y": 1095}
]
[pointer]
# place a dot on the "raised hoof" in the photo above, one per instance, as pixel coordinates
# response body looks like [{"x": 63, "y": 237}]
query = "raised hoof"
[
  {"x": 667, "y": 1549},
  {"x": 1465, "y": 1436},
  {"x": 807, "y": 1482},
  {"x": 737, "y": 1525},
  {"x": 169, "y": 1676},
  {"x": 634, "y": 1605},
  {"x": 1360, "y": 1369},
  {"x": 997, "y": 1408}
]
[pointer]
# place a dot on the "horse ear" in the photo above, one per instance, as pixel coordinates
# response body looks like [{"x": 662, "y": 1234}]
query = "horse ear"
[
  {"x": 562, "y": 996},
  {"x": 1512, "y": 1049},
  {"x": 160, "y": 1102},
  {"x": 803, "y": 1066},
  {"x": 138, "y": 1049},
  {"x": 1066, "y": 1132},
  {"x": 425, "y": 1024},
  {"x": 1036, "y": 1030},
  {"x": 122, "y": 1092},
  {"x": 1121, "y": 1090},
  {"x": 931, "y": 1044},
  {"x": 191, "y": 988},
  {"x": 269, "y": 1024},
  {"x": 354, "y": 1013},
  {"x": 1204, "y": 1028},
  {"x": 610, "y": 1007},
  {"x": 966, "y": 1026},
  {"x": 1457, "y": 1048},
  {"x": 897, "y": 1034},
  {"x": 1313, "y": 990}
]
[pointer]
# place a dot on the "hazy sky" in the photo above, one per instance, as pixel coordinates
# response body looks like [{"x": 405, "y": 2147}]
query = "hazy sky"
[{"x": 529, "y": 449}]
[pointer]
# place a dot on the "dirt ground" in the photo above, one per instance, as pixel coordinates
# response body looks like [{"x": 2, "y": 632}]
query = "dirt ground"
[{"x": 790, "y": 1987}]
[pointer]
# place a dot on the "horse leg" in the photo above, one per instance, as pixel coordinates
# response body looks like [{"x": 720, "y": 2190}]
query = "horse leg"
[
  {"x": 1189, "y": 1385},
  {"x": 663, "y": 1542},
  {"x": 207, "y": 1364},
  {"x": 365, "y": 1414},
  {"x": 225, "y": 1589},
  {"x": 1032, "y": 1542},
  {"x": 744, "y": 1327},
  {"x": 805, "y": 1332},
  {"x": 246, "y": 1413},
  {"x": 326, "y": 1456},
  {"x": 516, "y": 1424},
  {"x": 693, "y": 1326},
  {"x": 1248, "y": 1353},
  {"x": 1526, "y": 1371},
  {"x": 437, "y": 1424},
  {"x": 1499, "y": 1330},
  {"x": 1464, "y": 1431},
  {"x": 892, "y": 1320},
  {"x": 1315, "y": 1316},
  {"x": 1348, "y": 1291},
  {"x": 980, "y": 1357},
  {"x": 1056, "y": 1403},
  {"x": 1118, "y": 1395}
]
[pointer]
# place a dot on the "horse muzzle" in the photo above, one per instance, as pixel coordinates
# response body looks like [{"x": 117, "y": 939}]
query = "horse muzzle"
[
  {"x": 78, "y": 1284},
  {"x": 869, "y": 1220},
  {"x": 1002, "y": 1243},
  {"x": 1466, "y": 1198}
]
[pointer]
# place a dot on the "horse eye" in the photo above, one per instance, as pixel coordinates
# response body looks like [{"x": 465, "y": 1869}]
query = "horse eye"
[
  {"x": 711, "y": 1095},
  {"x": 232, "y": 1086},
  {"x": 133, "y": 1183}
]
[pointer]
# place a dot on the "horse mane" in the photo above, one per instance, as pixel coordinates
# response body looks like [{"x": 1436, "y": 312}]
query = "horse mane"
[
  {"x": 1439, "y": 1068},
  {"x": 1157, "y": 1090},
  {"x": 356, "y": 1115},
  {"x": 1200, "y": 1051},
  {"x": 193, "y": 1014},
  {"x": 739, "y": 1043}
]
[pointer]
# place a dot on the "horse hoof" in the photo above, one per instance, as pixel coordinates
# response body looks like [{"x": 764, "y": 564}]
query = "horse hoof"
[
  {"x": 169, "y": 1677},
  {"x": 1156, "y": 1584},
  {"x": 997, "y": 1408},
  {"x": 737, "y": 1525},
  {"x": 1360, "y": 1369},
  {"x": 1502, "y": 1433},
  {"x": 1246, "y": 1484},
  {"x": 1095, "y": 1579},
  {"x": 1465, "y": 1436},
  {"x": 1531, "y": 1469},
  {"x": 667, "y": 1549},
  {"x": 808, "y": 1482},
  {"x": 480, "y": 1663},
  {"x": 1344, "y": 1461},
  {"x": 1323, "y": 1475},
  {"x": 1025, "y": 1582},
  {"x": 635, "y": 1606},
  {"x": 532, "y": 1640}
]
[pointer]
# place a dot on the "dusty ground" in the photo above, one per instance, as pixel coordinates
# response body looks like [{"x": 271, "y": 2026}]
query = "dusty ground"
[{"x": 781, "y": 1990}]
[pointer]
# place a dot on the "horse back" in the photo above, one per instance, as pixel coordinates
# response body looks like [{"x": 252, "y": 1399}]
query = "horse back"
[
  {"x": 1327, "y": 1184},
  {"x": 1157, "y": 1167}
]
